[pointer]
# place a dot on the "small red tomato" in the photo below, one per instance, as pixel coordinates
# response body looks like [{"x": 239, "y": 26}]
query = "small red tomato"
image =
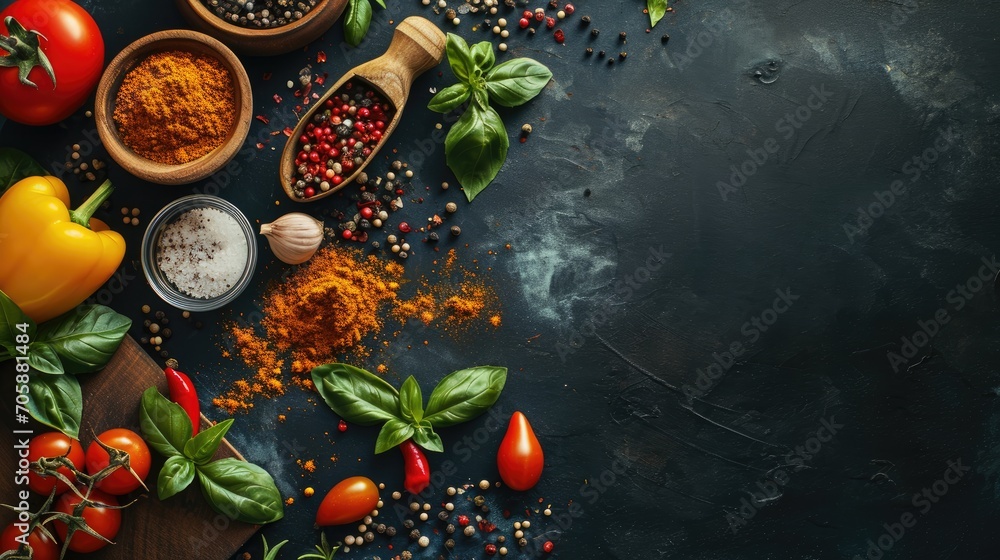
[
  {"x": 105, "y": 520},
  {"x": 350, "y": 500},
  {"x": 121, "y": 481},
  {"x": 520, "y": 458},
  {"x": 53, "y": 444},
  {"x": 42, "y": 547}
]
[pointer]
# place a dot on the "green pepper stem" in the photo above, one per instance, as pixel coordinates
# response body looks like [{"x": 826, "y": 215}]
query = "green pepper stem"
[{"x": 83, "y": 214}]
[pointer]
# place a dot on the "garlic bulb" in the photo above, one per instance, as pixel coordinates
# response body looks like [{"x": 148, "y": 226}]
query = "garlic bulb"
[{"x": 294, "y": 237}]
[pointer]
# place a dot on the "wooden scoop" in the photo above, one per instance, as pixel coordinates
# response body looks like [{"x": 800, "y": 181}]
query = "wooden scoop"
[{"x": 417, "y": 46}]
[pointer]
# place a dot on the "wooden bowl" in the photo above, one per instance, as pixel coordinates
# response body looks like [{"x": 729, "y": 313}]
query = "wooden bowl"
[
  {"x": 417, "y": 46},
  {"x": 276, "y": 40},
  {"x": 132, "y": 55}
]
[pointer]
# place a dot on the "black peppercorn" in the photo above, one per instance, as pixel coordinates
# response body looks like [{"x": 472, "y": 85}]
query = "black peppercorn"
[
  {"x": 585, "y": 20},
  {"x": 443, "y": 516},
  {"x": 590, "y": 51},
  {"x": 595, "y": 32},
  {"x": 408, "y": 523},
  {"x": 622, "y": 36},
  {"x": 601, "y": 54},
  {"x": 622, "y": 55},
  {"x": 664, "y": 39}
]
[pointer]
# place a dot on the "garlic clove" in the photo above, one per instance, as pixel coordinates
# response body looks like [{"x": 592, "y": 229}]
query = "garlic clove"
[{"x": 294, "y": 237}]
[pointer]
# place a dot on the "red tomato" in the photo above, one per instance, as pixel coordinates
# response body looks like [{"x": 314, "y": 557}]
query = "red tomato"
[
  {"x": 72, "y": 44},
  {"x": 53, "y": 444},
  {"x": 42, "y": 547},
  {"x": 121, "y": 481},
  {"x": 520, "y": 458},
  {"x": 106, "y": 521},
  {"x": 350, "y": 500}
]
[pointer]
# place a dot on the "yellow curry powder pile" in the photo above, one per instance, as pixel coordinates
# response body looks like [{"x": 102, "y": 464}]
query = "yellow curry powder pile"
[
  {"x": 333, "y": 306},
  {"x": 175, "y": 106}
]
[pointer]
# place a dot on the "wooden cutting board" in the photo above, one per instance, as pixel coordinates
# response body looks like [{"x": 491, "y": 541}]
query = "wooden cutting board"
[{"x": 184, "y": 526}]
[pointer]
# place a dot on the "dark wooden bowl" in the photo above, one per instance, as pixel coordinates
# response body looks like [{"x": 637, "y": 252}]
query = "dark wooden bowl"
[
  {"x": 417, "y": 46},
  {"x": 107, "y": 91},
  {"x": 278, "y": 40}
]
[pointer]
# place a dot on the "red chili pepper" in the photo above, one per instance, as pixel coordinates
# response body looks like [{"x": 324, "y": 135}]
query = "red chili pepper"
[
  {"x": 182, "y": 392},
  {"x": 418, "y": 470}
]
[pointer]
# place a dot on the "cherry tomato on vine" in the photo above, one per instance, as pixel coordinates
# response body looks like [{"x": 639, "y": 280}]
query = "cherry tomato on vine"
[
  {"x": 106, "y": 521},
  {"x": 53, "y": 444},
  {"x": 520, "y": 458},
  {"x": 57, "y": 62},
  {"x": 42, "y": 547},
  {"x": 350, "y": 500},
  {"x": 121, "y": 481}
]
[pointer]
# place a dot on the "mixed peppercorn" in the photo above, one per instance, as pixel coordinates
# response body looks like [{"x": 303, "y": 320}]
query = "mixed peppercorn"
[
  {"x": 341, "y": 138},
  {"x": 262, "y": 14}
]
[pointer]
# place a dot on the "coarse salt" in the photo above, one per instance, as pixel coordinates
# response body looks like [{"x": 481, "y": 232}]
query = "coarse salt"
[{"x": 203, "y": 252}]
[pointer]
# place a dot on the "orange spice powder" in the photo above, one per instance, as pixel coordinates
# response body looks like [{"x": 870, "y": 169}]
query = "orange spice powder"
[{"x": 332, "y": 309}]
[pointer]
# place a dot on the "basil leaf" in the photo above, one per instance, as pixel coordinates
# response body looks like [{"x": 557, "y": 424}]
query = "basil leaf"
[
  {"x": 464, "y": 394},
  {"x": 656, "y": 9},
  {"x": 165, "y": 426},
  {"x": 460, "y": 59},
  {"x": 201, "y": 448},
  {"x": 56, "y": 401},
  {"x": 241, "y": 490},
  {"x": 177, "y": 474},
  {"x": 86, "y": 337},
  {"x": 381, "y": 3},
  {"x": 16, "y": 165},
  {"x": 483, "y": 55},
  {"x": 425, "y": 437},
  {"x": 517, "y": 81},
  {"x": 411, "y": 401},
  {"x": 393, "y": 433},
  {"x": 43, "y": 358},
  {"x": 449, "y": 98},
  {"x": 476, "y": 147},
  {"x": 355, "y": 394},
  {"x": 357, "y": 20},
  {"x": 10, "y": 317}
]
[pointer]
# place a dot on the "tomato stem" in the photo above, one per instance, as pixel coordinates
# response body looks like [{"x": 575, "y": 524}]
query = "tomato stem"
[{"x": 25, "y": 52}]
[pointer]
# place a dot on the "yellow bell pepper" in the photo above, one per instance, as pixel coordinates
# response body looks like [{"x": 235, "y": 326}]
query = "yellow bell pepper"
[{"x": 52, "y": 258}]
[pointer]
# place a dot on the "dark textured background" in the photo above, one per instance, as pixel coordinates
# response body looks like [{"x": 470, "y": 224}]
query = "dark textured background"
[{"x": 600, "y": 339}]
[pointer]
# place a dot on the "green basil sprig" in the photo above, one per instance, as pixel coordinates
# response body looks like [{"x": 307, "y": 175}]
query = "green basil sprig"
[
  {"x": 364, "y": 398},
  {"x": 241, "y": 490},
  {"x": 357, "y": 19},
  {"x": 82, "y": 340},
  {"x": 657, "y": 9},
  {"x": 476, "y": 146}
]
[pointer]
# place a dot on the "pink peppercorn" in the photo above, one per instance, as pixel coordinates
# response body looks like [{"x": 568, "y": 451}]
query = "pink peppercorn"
[
  {"x": 550, "y": 22},
  {"x": 569, "y": 9},
  {"x": 560, "y": 36},
  {"x": 525, "y": 22}
]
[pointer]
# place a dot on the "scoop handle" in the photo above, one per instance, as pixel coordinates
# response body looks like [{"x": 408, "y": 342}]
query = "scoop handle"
[{"x": 417, "y": 46}]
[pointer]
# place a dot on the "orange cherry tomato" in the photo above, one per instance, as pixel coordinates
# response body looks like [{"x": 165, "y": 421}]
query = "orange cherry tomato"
[
  {"x": 105, "y": 520},
  {"x": 350, "y": 500},
  {"x": 520, "y": 458},
  {"x": 53, "y": 444},
  {"x": 121, "y": 481},
  {"x": 42, "y": 547}
]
